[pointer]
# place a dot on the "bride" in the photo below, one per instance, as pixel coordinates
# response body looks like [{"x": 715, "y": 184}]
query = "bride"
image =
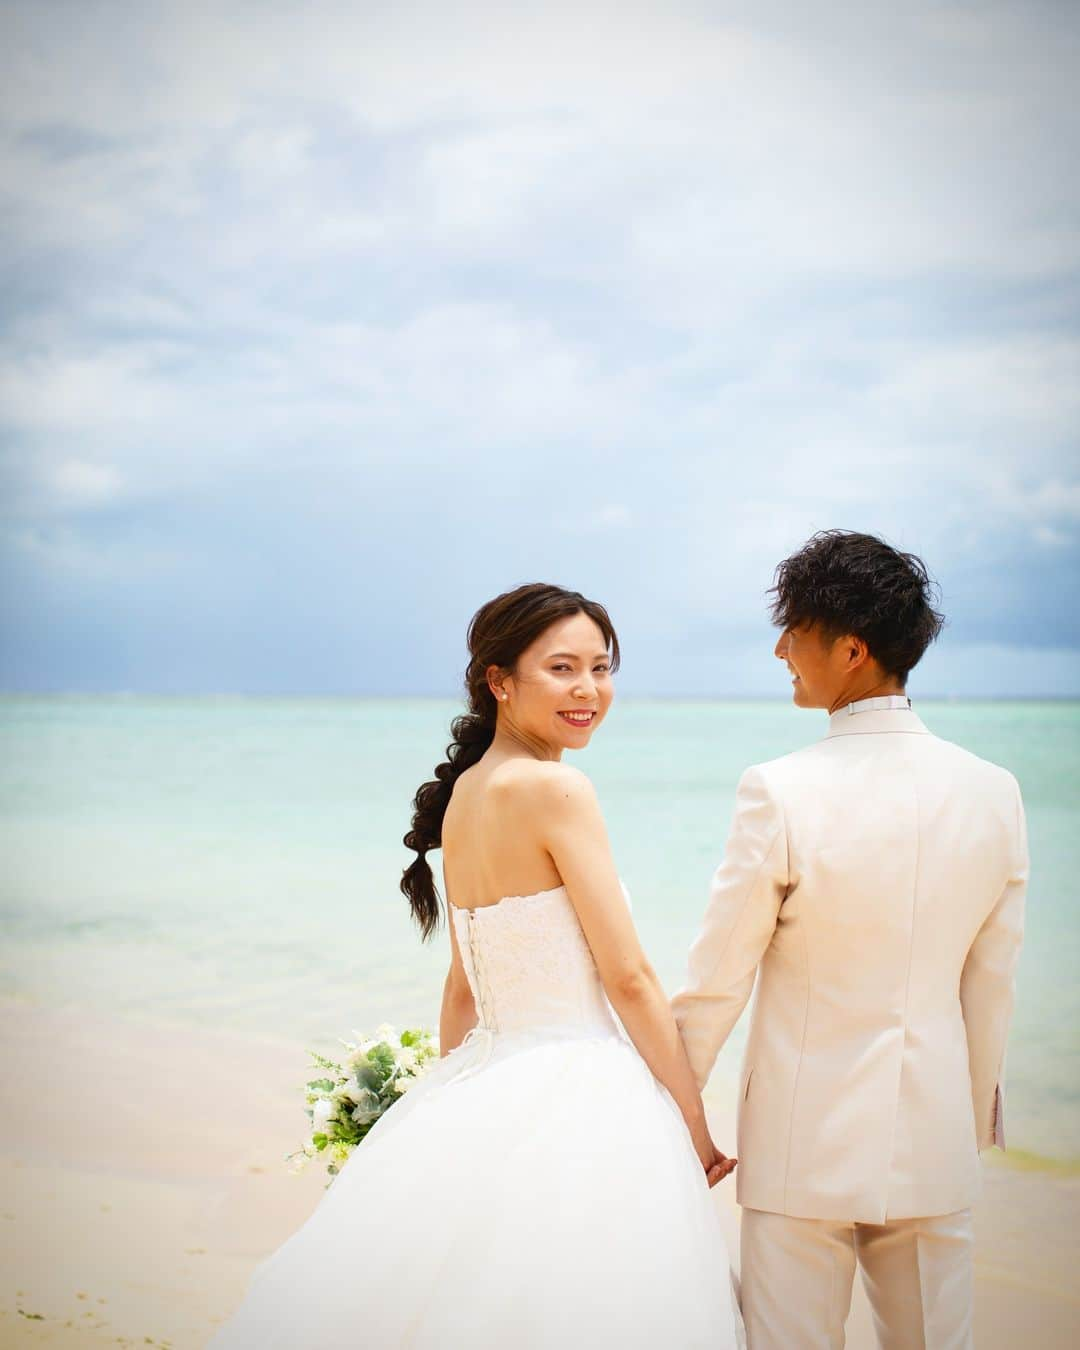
[{"x": 546, "y": 1184}]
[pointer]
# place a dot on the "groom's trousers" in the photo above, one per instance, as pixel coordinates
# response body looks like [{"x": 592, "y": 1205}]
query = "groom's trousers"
[{"x": 797, "y": 1275}]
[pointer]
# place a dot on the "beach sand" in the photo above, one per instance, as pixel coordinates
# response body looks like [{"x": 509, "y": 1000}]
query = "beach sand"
[{"x": 144, "y": 1177}]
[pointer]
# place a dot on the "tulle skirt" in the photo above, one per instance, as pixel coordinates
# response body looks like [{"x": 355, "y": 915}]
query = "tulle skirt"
[{"x": 533, "y": 1190}]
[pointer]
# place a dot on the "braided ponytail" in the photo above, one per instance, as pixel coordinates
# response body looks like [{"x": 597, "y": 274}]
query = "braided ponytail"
[{"x": 472, "y": 733}]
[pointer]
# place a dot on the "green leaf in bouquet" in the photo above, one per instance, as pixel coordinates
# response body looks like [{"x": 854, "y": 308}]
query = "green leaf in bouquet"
[
  {"x": 368, "y": 1100},
  {"x": 368, "y": 1107},
  {"x": 369, "y": 1076},
  {"x": 350, "y": 1132},
  {"x": 411, "y": 1037},
  {"x": 374, "y": 1071},
  {"x": 383, "y": 1054},
  {"x": 322, "y": 1084},
  {"x": 320, "y": 1141}
]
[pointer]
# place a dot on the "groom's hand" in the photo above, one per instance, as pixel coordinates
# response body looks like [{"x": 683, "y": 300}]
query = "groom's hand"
[{"x": 721, "y": 1167}]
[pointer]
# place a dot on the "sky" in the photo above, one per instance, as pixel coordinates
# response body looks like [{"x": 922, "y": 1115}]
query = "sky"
[{"x": 321, "y": 324}]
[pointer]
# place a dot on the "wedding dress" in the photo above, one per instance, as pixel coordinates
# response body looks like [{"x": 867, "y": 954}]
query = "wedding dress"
[{"x": 537, "y": 1188}]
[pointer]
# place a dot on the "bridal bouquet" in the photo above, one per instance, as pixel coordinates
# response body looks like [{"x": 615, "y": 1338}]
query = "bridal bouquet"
[{"x": 346, "y": 1101}]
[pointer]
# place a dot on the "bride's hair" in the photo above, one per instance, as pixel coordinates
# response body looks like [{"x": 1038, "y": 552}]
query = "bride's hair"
[{"x": 498, "y": 633}]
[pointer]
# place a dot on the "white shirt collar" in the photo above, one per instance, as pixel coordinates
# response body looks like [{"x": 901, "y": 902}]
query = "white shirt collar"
[
  {"x": 882, "y": 703},
  {"x": 872, "y": 716}
]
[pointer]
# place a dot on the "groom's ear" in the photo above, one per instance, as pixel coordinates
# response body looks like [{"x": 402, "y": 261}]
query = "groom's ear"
[{"x": 855, "y": 652}]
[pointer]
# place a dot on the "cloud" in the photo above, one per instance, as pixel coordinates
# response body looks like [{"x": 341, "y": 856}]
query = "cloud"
[
  {"x": 84, "y": 484},
  {"x": 636, "y": 294}
]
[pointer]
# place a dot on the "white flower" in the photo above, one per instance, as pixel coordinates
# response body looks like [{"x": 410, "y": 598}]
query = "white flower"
[
  {"x": 407, "y": 1058},
  {"x": 403, "y": 1084},
  {"x": 386, "y": 1033},
  {"x": 322, "y": 1115}
]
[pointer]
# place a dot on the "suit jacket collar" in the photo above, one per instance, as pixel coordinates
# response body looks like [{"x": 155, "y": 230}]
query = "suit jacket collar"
[{"x": 870, "y": 717}]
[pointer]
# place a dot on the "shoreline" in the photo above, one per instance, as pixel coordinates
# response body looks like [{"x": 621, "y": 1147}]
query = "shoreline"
[
  {"x": 144, "y": 1177},
  {"x": 1022, "y": 1160}
]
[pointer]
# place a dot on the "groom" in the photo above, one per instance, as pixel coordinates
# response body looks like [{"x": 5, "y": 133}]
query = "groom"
[{"x": 874, "y": 884}]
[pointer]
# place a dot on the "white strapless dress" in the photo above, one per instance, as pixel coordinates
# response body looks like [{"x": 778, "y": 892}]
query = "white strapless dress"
[{"x": 538, "y": 1188}]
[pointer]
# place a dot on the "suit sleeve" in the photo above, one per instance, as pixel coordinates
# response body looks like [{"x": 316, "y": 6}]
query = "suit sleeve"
[
  {"x": 744, "y": 901},
  {"x": 987, "y": 988}
]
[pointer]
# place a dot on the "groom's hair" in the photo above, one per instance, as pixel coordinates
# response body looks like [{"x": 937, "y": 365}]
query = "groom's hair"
[{"x": 858, "y": 584}]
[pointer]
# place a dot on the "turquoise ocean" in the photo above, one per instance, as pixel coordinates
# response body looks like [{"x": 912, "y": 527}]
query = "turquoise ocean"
[{"x": 235, "y": 862}]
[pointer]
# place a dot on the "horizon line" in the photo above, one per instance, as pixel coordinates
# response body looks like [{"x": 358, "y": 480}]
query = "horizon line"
[{"x": 240, "y": 696}]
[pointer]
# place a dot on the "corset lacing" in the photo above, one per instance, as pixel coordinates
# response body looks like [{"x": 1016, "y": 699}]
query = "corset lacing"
[{"x": 487, "y": 1026}]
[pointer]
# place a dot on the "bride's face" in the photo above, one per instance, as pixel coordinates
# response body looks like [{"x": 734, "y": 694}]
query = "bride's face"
[{"x": 561, "y": 686}]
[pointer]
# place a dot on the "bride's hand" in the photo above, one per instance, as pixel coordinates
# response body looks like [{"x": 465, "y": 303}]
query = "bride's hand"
[
  {"x": 720, "y": 1168},
  {"x": 717, "y": 1165}
]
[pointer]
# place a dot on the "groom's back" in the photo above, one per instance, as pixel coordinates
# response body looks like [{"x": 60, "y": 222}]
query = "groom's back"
[
  {"x": 900, "y": 844},
  {"x": 864, "y": 1058}
]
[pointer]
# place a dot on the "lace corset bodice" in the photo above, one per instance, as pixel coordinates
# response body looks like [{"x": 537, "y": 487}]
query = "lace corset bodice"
[{"x": 529, "y": 965}]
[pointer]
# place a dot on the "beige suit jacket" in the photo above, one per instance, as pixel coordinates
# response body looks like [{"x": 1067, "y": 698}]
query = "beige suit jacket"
[{"x": 875, "y": 884}]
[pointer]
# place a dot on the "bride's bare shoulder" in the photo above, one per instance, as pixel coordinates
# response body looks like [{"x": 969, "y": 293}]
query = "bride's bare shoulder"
[{"x": 539, "y": 781}]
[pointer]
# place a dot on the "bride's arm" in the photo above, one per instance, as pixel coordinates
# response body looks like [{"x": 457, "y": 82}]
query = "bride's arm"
[
  {"x": 574, "y": 834},
  {"x": 458, "y": 1015}
]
